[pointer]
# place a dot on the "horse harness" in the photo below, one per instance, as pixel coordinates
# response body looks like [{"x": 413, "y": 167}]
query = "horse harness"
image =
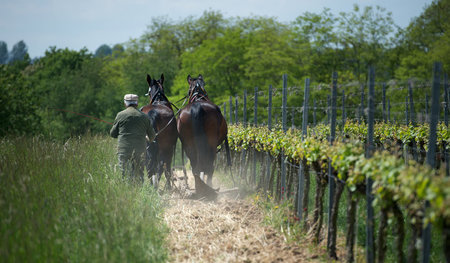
[
  {"x": 199, "y": 93},
  {"x": 171, "y": 119},
  {"x": 158, "y": 94}
]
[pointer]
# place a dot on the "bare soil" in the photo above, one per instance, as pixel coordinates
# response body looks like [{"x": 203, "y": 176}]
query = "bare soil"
[{"x": 229, "y": 229}]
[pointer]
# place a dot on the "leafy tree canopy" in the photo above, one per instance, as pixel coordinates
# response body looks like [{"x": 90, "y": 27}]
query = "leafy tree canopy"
[
  {"x": 3, "y": 52},
  {"x": 103, "y": 51},
  {"x": 232, "y": 54},
  {"x": 18, "y": 52}
]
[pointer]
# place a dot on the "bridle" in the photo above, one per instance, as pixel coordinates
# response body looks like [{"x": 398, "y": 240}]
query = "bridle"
[
  {"x": 198, "y": 93},
  {"x": 157, "y": 94},
  {"x": 160, "y": 93}
]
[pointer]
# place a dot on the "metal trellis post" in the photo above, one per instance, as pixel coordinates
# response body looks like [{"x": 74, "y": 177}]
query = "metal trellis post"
[
  {"x": 245, "y": 109},
  {"x": 236, "y": 109},
  {"x": 431, "y": 154},
  {"x": 370, "y": 253},
  {"x": 283, "y": 163},
  {"x": 406, "y": 111},
  {"x": 411, "y": 104},
  {"x": 231, "y": 110},
  {"x": 269, "y": 121},
  {"x": 384, "y": 102},
  {"x": 361, "y": 110},
  {"x": 255, "y": 115},
  {"x": 331, "y": 182},
  {"x": 301, "y": 177},
  {"x": 389, "y": 110},
  {"x": 344, "y": 116},
  {"x": 314, "y": 112},
  {"x": 225, "y": 110},
  {"x": 446, "y": 99}
]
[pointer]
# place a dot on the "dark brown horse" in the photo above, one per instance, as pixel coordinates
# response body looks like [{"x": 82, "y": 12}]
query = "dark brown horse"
[
  {"x": 201, "y": 128},
  {"x": 160, "y": 152}
]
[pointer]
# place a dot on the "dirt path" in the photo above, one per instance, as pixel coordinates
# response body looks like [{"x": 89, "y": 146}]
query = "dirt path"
[{"x": 227, "y": 230}]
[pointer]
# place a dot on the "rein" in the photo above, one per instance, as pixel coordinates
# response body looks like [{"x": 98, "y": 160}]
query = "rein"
[
  {"x": 196, "y": 96},
  {"x": 169, "y": 122}
]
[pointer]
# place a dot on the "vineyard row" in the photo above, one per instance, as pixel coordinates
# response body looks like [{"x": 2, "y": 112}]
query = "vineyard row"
[{"x": 396, "y": 183}]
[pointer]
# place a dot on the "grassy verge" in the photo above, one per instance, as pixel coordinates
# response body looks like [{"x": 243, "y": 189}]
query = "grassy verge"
[{"x": 66, "y": 202}]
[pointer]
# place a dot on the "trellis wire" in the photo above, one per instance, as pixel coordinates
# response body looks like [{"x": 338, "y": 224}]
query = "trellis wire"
[{"x": 330, "y": 106}]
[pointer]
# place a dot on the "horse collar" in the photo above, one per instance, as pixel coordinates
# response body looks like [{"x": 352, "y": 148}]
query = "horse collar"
[
  {"x": 158, "y": 93},
  {"x": 196, "y": 96}
]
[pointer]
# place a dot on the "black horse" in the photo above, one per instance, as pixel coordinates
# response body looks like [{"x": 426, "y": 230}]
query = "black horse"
[
  {"x": 201, "y": 127},
  {"x": 160, "y": 152}
]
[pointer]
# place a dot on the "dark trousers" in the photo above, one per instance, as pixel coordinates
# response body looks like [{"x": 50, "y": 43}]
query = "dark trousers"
[{"x": 132, "y": 166}]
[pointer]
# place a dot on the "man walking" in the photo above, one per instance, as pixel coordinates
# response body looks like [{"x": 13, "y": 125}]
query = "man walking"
[{"x": 131, "y": 127}]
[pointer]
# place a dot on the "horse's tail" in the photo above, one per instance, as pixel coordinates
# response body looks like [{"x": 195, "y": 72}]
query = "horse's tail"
[
  {"x": 204, "y": 154},
  {"x": 152, "y": 147},
  {"x": 153, "y": 116},
  {"x": 151, "y": 157}
]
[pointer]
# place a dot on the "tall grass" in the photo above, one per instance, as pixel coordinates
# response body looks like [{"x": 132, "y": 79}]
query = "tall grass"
[{"x": 67, "y": 202}]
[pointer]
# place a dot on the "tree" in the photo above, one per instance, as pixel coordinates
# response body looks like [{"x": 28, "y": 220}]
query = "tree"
[
  {"x": 365, "y": 37},
  {"x": 3, "y": 52},
  {"x": 318, "y": 46},
  {"x": 69, "y": 81},
  {"x": 118, "y": 50},
  {"x": 18, "y": 101},
  {"x": 268, "y": 53},
  {"x": 103, "y": 51},
  {"x": 18, "y": 52},
  {"x": 219, "y": 61},
  {"x": 250, "y": 52},
  {"x": 426, "y": 40},
  {"x": 166, "y": 41}
]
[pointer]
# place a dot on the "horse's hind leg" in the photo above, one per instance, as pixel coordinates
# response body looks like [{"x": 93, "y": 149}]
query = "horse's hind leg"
[
  {"x": 184, "y": 168},
  {"x": 209, "y": 180},
  {"x": 151, "y": 160},
  {"x": 209, "y": 170},
  {"x": 160, "y": 170},
  {"x": 168, "y": 174}
]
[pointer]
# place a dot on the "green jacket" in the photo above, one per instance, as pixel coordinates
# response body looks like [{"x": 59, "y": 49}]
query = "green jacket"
[{"x": 130, "y": 127}]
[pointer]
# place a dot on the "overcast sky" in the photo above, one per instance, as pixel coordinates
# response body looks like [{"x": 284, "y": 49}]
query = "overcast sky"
[{"x": 90, "y": 23}]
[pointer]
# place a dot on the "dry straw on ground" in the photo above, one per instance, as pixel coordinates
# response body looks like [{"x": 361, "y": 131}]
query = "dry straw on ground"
[{"x": 227, "y": 230}]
